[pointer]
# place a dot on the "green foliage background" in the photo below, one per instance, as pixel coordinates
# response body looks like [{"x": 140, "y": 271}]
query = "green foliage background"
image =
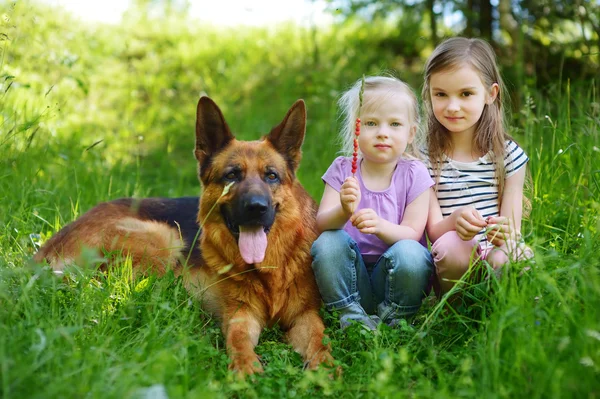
[{"x": 90, "y": 113}]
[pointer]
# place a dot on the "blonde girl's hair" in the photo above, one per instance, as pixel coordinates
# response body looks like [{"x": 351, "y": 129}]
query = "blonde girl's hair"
[
  {"x": 492, "y": 130},
  {"x": 349, "y": 105}
]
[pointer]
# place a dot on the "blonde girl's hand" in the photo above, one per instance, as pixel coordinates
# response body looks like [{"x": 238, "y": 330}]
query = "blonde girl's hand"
[
  {"x": 500, "y": 229},
  {"x": 468, "y": 223},
  {"x": 350, "y": 195},
  {"x": 367, "y": 221}
]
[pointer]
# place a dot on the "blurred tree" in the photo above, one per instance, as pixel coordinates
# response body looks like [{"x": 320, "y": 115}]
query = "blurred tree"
[
  {"x": 538, "y": 40},
  {"x": 395, "y": 8},
  {"x": 543, "y": 14},
  {"x": 478, "y": 16},
  {"x": 557, "y": 39}
]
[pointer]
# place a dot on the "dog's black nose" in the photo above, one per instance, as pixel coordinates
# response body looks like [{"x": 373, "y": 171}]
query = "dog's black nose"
[{"x": 256, "y": 205}]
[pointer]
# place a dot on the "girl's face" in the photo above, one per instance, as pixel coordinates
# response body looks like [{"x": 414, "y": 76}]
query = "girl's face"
[
  {"x": 458, "y": 97},
  {"x": 386, "y": 127}
]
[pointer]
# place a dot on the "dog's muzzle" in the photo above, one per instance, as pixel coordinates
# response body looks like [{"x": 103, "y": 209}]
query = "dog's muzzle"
[{"x": 249, "y": 218}]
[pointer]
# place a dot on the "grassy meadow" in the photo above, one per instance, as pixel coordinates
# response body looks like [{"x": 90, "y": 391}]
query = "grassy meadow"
[{"x": 90, "y": 113}]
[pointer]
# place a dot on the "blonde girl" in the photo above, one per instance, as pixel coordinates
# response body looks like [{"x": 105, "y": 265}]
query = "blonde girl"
[
  {"x": 479, "y": 170},
  {"x": 371, "y": 262}
]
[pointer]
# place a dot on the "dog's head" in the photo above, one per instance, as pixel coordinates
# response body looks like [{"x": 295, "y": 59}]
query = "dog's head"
[{"x": 246, "y": 183}]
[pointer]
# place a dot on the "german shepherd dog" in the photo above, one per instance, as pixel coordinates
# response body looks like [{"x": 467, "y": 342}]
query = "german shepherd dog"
[{"x": 242, "y": 248}]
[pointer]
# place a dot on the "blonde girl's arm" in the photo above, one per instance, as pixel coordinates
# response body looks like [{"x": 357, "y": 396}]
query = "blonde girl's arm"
[
  {"x": 508, "y": 225},
  {"x": 411, "y": 227},
  {"x": 331, "y": 215},
  {"x": 437, "y": 226},
  {"x": 413, "y": 223}
]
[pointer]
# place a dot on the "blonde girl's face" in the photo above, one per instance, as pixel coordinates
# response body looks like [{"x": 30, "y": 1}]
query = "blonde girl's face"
[
  {"x": 387, "y": 127},
  {"x": 458, "y": 97}
]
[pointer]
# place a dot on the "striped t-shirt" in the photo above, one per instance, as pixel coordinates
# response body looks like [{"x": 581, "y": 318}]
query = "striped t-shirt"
[{"x": 474, "y": 183}]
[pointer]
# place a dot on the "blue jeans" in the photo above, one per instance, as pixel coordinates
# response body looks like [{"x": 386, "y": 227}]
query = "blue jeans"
[{"x": 392, "y": 288}]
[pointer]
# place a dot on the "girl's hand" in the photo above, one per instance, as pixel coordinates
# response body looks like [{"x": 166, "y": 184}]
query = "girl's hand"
[
  {"x": 367, "y": 221},
  {"x": 468, "y": 223},
  {"x": 499, "y": 230},
  {"x": 350, "y": 195}
]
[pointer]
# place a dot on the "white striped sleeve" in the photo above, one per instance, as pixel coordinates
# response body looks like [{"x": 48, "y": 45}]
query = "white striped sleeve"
[{"x": 514, "y": 159}]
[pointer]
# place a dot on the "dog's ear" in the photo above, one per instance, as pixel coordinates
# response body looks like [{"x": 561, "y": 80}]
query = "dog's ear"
[
  {"x": 287, "y": 137},
  {"x": 212, "y": 132}
]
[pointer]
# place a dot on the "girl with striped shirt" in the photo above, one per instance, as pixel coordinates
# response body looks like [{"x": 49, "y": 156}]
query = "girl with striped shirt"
[{"x": 479, "y": 170}]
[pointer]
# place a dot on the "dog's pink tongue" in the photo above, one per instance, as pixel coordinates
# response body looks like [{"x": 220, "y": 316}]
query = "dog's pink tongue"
[{"x": 252, "y": 243}]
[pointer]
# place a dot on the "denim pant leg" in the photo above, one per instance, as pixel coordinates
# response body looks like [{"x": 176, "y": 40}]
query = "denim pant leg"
[
  {"x": 341, "y": 273},
  {"x": 400, "y": 279}
]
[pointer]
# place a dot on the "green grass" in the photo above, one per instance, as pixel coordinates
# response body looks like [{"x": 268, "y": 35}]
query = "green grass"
[{"x": 64, "y": 87}]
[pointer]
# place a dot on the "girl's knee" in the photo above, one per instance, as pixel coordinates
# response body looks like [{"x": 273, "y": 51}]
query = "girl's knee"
[
  {"x": 511, "y": 251},
  {"x": 445, "y": 245},
  {"x": 497, "y": 258},
  {"x": 331, "y": 243},
  {"x": 332, "y": 251},
  {"x": 410, "y": 258},
  {"x": 452, "y": 255}
]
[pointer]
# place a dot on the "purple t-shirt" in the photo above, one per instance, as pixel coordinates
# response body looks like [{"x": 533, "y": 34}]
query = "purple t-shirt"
[{"x": 411, "y": 178}]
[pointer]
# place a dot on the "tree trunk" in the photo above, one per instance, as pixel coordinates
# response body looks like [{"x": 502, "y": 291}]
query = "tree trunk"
[
  {"x": 486, "y": 19},
  {"x": 469, "y": 17},
  {"x": 432, "y": 22}
]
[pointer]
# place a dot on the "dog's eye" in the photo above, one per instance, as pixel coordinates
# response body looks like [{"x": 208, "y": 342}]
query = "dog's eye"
[
  {"x": 272, "y": 177},
  {"x": 231, "y": 176}
]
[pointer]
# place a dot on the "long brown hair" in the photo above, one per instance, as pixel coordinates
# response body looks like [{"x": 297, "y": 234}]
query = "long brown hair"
[{"x": 491, "y": 131}]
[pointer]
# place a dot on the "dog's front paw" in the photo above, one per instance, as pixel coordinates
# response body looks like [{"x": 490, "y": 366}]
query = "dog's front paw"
[
  {"x": 244, "y": 365},
  {"x": 323, "y": 358}
]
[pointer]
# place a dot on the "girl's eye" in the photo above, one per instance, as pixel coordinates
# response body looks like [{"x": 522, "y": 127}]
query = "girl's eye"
[
  {"x": 370, "y": 123},
  {"x": 467, "y": 94},
  {"x": 396, "y": 124},
  {"x": 439, "y": 94}
]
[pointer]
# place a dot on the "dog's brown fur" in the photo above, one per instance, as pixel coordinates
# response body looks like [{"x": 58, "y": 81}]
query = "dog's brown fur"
[{"x": 159, "y": 234}]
